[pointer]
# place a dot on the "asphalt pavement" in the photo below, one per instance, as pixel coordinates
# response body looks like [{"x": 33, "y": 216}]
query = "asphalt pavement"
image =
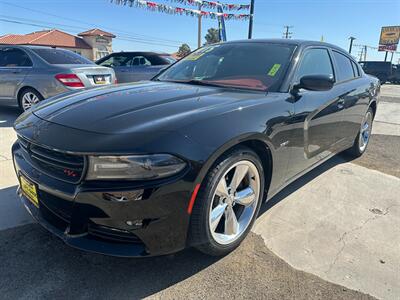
[{"x": 333, "y": 234}]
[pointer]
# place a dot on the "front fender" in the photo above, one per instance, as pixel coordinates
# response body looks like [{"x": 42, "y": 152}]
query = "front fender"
[{"x": 247, "y": 137}]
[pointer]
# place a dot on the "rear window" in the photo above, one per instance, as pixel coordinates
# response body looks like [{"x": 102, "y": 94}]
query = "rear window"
[
  {"x": 132, "y": 59},
  {"x": 61, "y": 57},
  {"x": 170, "y": 59}
]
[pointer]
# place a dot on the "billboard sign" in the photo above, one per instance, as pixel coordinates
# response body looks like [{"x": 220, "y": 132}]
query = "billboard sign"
[{"x": 389, "y": 38}]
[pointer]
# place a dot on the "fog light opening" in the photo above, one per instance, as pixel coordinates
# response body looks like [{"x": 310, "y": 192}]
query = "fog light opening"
[
  {"x": 136, "y": 223},
  {"x": 124, "y": 196}
]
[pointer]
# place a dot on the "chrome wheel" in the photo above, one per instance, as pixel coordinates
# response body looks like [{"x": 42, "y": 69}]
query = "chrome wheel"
[
  {"x": 365, "y": 131},
  {"x": 234, "y": 202},
  {"x": 28, "y": 99}
]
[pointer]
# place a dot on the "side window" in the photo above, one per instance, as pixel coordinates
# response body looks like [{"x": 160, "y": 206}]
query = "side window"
[
  {"x": 115, "y": 61},
  {"x": 12, "y": 57},
  {"x": 139, "y": 61},
  {"x": 315, "y": 62},
  {"x": 355, "y": 69},
  {"x": 345, "y": 69}
]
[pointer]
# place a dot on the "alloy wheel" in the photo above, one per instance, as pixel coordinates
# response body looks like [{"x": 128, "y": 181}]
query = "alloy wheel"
[
  {"x": 365, "y": 131},
  {"x": 28, "y": 99},
  {"x": 234, "y": 202}
]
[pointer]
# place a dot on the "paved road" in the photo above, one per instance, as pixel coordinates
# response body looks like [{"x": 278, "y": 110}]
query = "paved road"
[{"x": 331, "y": 234}]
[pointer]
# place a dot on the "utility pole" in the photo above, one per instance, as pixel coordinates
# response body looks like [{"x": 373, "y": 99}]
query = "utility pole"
[
  {"x": 365, "y": 52},
  {"x": 287, "y": 34},
  {"x": 199, "y": 27},
  {"x": 351, "y": 43},
  {"x": 364, "y": 49},
  {"x": 251, "y": 19},
  {"x": 360, "y": 53}
]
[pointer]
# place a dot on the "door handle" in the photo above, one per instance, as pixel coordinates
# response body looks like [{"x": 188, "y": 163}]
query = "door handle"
[
  {"x": 16, "y": 72},
  {"x": 340, "y": 103}
]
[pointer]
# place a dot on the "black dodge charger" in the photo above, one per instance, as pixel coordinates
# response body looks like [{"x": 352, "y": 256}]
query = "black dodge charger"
[{"x": 187, "y": 158}]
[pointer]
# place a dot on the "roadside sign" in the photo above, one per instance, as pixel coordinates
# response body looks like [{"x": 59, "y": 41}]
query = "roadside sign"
[{"x": 389, "y": 38}]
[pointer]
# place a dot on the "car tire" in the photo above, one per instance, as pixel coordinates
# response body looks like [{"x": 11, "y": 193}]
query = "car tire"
[
  {"x": 28, "y": 97},
  {"x": 363, "y": 137},
  {"x": 213, "y": 230}
]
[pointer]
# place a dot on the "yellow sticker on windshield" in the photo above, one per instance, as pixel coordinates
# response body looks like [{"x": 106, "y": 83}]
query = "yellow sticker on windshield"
[
  {"x": 275, "y": 68},
  {"x": 194, "y": 56},
  {"x": 199, "y": 53}
]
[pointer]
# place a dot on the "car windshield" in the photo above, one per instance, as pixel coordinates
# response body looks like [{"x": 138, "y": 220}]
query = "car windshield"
[
  {"x": 61, "y": 57},
  {"x": 256, "y": 66},
  {"x": 170, "y": 59}
]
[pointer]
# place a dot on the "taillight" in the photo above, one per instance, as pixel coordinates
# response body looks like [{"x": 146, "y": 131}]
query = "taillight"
[
  {"x": 70, "y": 80},
  {"x": 115, "y": 81}
]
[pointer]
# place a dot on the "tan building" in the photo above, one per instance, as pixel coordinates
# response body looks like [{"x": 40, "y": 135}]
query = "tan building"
[{"x": 93, "y": 44}]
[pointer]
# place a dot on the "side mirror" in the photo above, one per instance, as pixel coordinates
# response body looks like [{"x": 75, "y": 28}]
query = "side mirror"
[{"x": 314, "y": 83}]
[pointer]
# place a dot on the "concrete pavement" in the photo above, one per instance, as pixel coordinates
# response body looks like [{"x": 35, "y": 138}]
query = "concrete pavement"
[{"x": 12, "y": 212}]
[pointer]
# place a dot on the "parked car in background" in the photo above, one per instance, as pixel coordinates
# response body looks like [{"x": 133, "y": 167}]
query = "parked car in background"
[
  {"x": 187, "y": 158},
  {"x": 29, "y": 74},
  {"x": 395, "y": 74},
  {"x": 384, "y": 70},
  {"x": 136, "y": 66}
]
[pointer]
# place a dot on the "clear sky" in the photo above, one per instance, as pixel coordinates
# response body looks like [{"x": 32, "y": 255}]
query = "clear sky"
[{"x": 139, "y": 29}]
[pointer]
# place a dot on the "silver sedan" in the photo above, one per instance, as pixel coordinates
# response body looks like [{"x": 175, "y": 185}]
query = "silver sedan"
[{"x": 29, "y": 74}]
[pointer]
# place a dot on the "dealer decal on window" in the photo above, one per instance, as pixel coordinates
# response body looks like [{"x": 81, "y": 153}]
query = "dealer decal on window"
[
  {"x": 275, "y": 68},
  {"x": 199, "y": 53}
]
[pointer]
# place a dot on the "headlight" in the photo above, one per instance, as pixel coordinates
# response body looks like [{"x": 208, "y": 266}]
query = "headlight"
[{"x": 135, "y": 167}]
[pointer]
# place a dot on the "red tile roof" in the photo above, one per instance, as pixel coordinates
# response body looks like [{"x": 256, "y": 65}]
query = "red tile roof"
[
  {"x": 95, "y": 32},
  {"x": 52, "y": 38}
]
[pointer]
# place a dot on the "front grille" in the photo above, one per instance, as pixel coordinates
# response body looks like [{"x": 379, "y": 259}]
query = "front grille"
[{"x": 60, "y": 165}]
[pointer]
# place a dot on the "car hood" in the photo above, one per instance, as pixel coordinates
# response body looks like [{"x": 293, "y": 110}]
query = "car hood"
[{"x": 145, "y": 106}]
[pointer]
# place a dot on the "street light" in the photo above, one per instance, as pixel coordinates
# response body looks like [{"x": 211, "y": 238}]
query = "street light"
[{"x": 351, "y": 43}]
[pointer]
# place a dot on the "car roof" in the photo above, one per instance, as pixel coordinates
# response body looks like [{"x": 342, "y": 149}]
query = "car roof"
[
  {"x": 303, "y": 43},
  {"x": 139, "y": 53},
  {"x": 31, "y": 46},
  {"x": 374, "y": 61}
]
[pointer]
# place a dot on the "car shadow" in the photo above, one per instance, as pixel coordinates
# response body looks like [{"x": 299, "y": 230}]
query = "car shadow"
[
  {"x": 8, "y": 115},
  {"x": 12, "y": 212},
  {"x": 303, "y": 180},
  {"x": 36, "y": 263}
]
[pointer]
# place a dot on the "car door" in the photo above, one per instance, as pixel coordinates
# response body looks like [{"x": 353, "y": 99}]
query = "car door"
[
  {"x": 139, "y": 68},
  {"x": 353, "y": 94},
  {"x": 317, "y": 119},
  {"x": 119, "y": 62},
  {"x": 15, "y": 64}
]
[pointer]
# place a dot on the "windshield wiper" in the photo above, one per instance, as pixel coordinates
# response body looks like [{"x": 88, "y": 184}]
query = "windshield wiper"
[
  {"x": 197, "y": 82},
  {"x": 209, "y": 83}
]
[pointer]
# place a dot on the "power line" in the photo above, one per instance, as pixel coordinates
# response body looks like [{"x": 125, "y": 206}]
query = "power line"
[
  {"x": 42, "y": 24},
  {"x": 364, "y": 50},
  {"x": 130, "y": 39},
  {"x": 117, "y": 31}
]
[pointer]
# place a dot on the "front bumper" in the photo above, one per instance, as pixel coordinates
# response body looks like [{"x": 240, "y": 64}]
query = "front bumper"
[{"x": 84, "y": 218}]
